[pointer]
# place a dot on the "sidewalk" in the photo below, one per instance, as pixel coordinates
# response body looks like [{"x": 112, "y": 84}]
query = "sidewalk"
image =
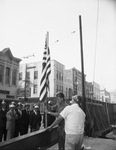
[{"x": 94, "y": 144}]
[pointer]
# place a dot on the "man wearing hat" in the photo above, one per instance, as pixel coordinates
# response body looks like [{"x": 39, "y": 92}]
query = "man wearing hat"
[
  {"x": 22, "y": 122},
  {"x": 10, "y": 123},
  {"x": 35, "y": 119},
  {"x": 18, "y": 121},
  {"x": 25, "y": 118},
  {"x": 74, "y": 124},
  {"x": 3, "y": 130}
]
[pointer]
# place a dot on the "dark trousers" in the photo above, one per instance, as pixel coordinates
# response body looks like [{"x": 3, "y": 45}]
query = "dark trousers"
[
  {"x": 20, "y": 130},
  {"x": 16, "y": 133},
  {"x": 23, "y": 130},
  {"x": 3, "y": 133},
  {"x": 61, "y": 138},
  {"x": 61, "y": 142}
]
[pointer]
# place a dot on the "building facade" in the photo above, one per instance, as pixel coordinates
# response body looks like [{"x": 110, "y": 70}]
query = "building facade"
[
  {"x": 113, "y": 97},
  {"x": 9, "y": 74},
  {"x": 96, "y": 91},
  {"x": 75, "y": 77},
  {"x": 89, "y": 90},
  {"x": 30, "y": 76},
  {"x": 105, "y": 96},
  {"x": 69, "y": 81},
  {"x": 92, "y": 90}
]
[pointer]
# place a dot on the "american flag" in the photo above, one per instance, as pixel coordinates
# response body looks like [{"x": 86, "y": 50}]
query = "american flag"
[{"x": 46, "y": 70}]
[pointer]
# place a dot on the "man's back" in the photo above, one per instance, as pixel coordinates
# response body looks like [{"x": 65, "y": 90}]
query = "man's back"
[{"x": 74, "y": 119}]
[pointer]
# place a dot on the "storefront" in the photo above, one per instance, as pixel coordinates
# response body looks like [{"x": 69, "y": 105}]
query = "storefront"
[{"x": 9, "y": 75}]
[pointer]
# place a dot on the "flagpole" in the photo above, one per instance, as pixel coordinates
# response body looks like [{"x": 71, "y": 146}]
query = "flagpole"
[
  {"x": 82, "y": 65},
  {"x": 44, "y": 82}
]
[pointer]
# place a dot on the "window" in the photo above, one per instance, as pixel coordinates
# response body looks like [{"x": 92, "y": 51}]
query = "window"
[
  {"x": 7, "y": 77},
  {"x": 62, "y": 88},
  {"x": 69, "y": 93},
  {"x": 75, "y": 79},
  {"x": 14, "y": 77},
  {"x": 35, "y": 88},
  {"x": 1, "y": 73},
  {"x": 57, "y": 75},
  {"x": 28, "y": 75},
  {"x": 20, "y": 76},
  {"x": 57, "y": 88},
  {"x": 62, "y": 76},
  {"x": 66, "y": 92},
  {"x": 35, "y": 74}
]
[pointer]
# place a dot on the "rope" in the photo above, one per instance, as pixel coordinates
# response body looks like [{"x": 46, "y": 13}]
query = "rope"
[
  {"x": 95, "y": 61},
  {"x": 95, "y": 53},
  {"x": 96, "y": 40},
  {"x": 95, "y": 45},
  {"x": 95, "y": 48}
]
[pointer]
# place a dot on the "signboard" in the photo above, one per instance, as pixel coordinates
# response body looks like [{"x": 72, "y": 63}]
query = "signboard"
[
  {"x": 4, "y": 92},
  {"x": 21, "y": 92}
]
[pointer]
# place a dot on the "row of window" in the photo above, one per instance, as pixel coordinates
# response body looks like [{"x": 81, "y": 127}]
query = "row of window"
[
  {"x": 28, "y": 75},
  {"x": 8, "y": 75},
  {"x": 59, "y": 75},
  {"x": 59, "y": 88},
  {"x": 35, "y": 88}
]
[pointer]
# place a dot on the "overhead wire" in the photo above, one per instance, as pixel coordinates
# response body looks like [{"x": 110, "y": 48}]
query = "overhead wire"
[
  {"x": 28, "y": 56},
  {"x": 58, "y": 40}
]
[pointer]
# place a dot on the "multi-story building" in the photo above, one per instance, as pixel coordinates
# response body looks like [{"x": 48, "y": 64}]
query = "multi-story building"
[
  {"x": 76, "y": 80},
  {"x": 113, "y": 96},
  {"x": 30, "y": 76},
  {"x": 9, "y": 74},
  {"x": 29, "y": 79},
  {"x": 88, "y": 90},
  {"x": 57, "y": 77},
  {"x": 92, "y": 90},
  {"x": 96, "y": 91},
  {"x": 69, "y": 81},
  {"x": 104, "y": 96}
]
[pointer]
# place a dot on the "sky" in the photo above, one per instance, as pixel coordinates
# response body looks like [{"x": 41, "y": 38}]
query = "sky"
[{"x": 24, "y": 24}]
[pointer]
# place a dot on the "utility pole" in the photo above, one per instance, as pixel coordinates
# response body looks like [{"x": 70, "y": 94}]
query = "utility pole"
[
  {"x": 26, "y": 80},
  {"x": 25, "y": 88}
]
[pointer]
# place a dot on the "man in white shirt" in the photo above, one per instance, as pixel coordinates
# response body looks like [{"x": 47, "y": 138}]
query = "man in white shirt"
[{"x": 74, "y": 124}]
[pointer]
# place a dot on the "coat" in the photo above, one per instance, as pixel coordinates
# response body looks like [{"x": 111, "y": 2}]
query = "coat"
[
  {"x": 10, "y": 123},
  {"x": 2, "y": 118},
  {"x": 35, "y": 120}
]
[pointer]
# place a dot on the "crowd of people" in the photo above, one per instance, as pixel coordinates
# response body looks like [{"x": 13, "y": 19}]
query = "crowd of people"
[
  {"x": 70, "y": 118},
  {"x": 18, "y": 120}
]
